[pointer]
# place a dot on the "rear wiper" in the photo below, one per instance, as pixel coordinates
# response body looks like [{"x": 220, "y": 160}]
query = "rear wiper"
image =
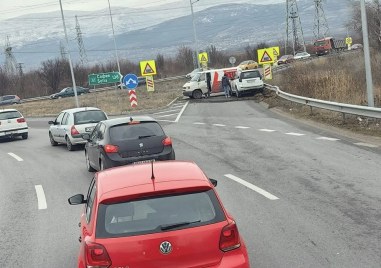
[
  {"x": 176, "y": 225},
  {"x": 146, "y": 136}
]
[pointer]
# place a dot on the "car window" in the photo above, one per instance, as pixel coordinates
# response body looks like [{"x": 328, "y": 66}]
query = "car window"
[
  {"x": 59, "y": 118},
  {"x": 65, "y": 119},
  {"x": 91, "y": 116},
  {"x": 8, "y": 97},
  {"x": 90, "y": 201},
  {"x": 247, "y": 75},
  {"x": 134, "y": 131},
  {"x": 150, "y": 215},
  {"x": 9, "y": 115}
]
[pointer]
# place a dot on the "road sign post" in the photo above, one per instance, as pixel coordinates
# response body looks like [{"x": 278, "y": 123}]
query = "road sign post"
[
  {"x": 232, "y": 60},
  {"x": 104, "y": 78}
]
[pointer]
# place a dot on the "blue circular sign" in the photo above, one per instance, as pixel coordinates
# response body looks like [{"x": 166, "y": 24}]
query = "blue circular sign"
[{"x": 130, "y": 81}]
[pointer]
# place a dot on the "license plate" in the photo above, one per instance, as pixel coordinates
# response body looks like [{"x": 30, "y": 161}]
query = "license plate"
[
  {"x": 89, "y": 129},
  {"x": 145, "y": 161}
]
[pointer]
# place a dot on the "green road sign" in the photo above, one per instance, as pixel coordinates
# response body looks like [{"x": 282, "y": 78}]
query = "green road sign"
[{"x": 104, "y": 78}]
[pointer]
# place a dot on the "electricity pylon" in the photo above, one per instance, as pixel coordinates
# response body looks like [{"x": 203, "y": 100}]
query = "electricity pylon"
[
  {"x": 10, "y": 65},
  {"x": 294, "y": 29},
  {"x": 321, "y": 28},
  {"x": 81, "y": 46}
]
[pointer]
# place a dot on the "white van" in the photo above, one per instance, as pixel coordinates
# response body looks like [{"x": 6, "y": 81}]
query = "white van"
[{"x": 197, "y": 86}]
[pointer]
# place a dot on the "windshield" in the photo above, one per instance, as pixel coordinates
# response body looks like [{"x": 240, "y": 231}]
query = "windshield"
[
  {"x": 87, "y": 117},
  {"x": 135, "y": 131},
  {"x": 158, "y": 214},
  {"x": 319, "y": 43},
  {"x": 63, "y": 90},
  {"x": 196, "y": 77},
  {"x": 9, "y": 115}
]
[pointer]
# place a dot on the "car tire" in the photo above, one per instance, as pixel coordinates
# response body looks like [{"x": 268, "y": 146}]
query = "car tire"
[
  {"x": 24, "y": 136},
  {"x": 69, "y": 145},
  {"x": 52, "y": 141},
  {"x": 197, "y": 94},
  {"x": 88, "y": 165}
]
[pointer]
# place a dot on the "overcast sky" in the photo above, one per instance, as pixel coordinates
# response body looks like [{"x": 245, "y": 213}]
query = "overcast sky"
[{"x": 14, "y": 8}]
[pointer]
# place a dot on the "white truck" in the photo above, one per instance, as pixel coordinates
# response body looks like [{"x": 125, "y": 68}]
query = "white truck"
[
  {"x": 246, "y": 81},
  {"x": 198, "y": 86}
]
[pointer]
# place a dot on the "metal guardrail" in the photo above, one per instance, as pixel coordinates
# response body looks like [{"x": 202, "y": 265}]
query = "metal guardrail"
[
  {"x": 106, "y": 88},
  {"x": 328, "y": 105}
]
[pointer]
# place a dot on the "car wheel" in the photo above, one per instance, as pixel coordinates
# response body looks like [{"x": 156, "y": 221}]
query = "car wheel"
[
  {"x": 197, "y": 94},
  {"x": 24, "y": 136},
  {"x": 88, "y": 165},
  {"x": 52, "y": 141},
  {"x": 69, "y": 145}
]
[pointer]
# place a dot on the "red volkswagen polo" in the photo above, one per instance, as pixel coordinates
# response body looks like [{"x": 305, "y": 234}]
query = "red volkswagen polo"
[{"x": 155, "y": 215}]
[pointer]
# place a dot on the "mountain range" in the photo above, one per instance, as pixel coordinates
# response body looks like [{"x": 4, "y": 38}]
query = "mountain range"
[{"x": 142, "y": 33}]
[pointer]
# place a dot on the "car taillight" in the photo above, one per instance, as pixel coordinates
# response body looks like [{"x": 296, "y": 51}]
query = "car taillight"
[
  {"x": 96, "y": 256},
  {"x": 74, "y": 131},
  {"x": 229, "y": 238},
  {"x": 167, "y": 141},
  {"x": 109, "y": 148},
  {"x": 21, "y": 120}
]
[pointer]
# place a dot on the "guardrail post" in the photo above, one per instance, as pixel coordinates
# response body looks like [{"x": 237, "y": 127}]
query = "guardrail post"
[
  {"x": 343, "y": 118},
  {"x": 311, "y": 113}
]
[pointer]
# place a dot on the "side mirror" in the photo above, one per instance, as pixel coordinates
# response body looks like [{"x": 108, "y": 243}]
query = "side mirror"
[
  {"x": 213, "y": 181},
  {"x": 77, "y": 199},
  {"x": 86, "y": 136},
  {"x": 52, "y": 122}
]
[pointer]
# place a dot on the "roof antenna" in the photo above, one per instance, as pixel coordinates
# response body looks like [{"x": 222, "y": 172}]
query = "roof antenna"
[{"x": 153, "y": 175}]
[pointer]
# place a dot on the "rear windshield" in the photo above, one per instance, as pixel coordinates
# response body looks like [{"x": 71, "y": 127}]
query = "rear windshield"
[
  {"x": 135, "y": 131},
  {"x": 86, "y": 117},
  {"x": 9, "y": 115},
  {"x": 158, "y": 214},
  {"x": 247, "y": 75}
]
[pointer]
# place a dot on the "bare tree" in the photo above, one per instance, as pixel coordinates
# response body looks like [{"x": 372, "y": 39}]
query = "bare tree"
[
  {"x": 52, "y": 73},
  {"x": 185, "y": 58}
]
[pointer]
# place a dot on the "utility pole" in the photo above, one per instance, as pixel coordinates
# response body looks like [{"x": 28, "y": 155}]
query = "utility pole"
[
  {"x": 294, "y": 29},
  {"x": 81, "y": 46},
  {"x": 68, "y": 53},
  {"x": 368, "y": 68},
  {"x": 321, "y": 28},
  {"x": 113, "y": 35},
  {"x": 194, "y": 32}
]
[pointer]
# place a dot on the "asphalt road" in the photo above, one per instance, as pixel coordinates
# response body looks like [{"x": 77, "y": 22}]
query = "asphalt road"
[{"x": 311, "y": 198}]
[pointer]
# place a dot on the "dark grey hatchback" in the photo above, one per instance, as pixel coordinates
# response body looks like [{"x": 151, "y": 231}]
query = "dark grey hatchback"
[{"x": 128, "y": 140}]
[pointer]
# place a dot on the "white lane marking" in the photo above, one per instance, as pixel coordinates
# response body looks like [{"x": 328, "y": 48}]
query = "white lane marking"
[
  {"x": 169, "y": 104},
  {"x": 166, "y": 115},
  {"x": 41, "y": 197},
  {"x": 295, "y": 134},
  {"x": 219, "y": 125},
  {"x": 167, "y": 111},
  {"x": 327, "y": 139},
  {"x": 366, "y": 144},
  {"x": 198, "y": 123},
  {"x": 181, "y": 112},
  {"x": 163, "y": 120},
  {"x": 241, "y": 127},
  {"x": 267, "y": 130},
  {"x": 18, "y": 158},
  {"x": 252, "y": 187},
  {"x": 177, "y": 105}
]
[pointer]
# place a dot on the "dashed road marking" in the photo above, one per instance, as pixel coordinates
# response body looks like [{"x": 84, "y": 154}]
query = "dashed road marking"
[
  {"x": 219, "y": 125},
  {"x": 294, "y": 134},
  {"x": 181, "y": 112},
  {"x": 252, "y": 187},
  {"x": 18, "y": 158},
  {"x": 327, "y": 139},
  {"x": 198, "y": 123},
  {"x": 41, "y": 197},
  {"x": 241, "y": 127},
  {"x": 267, "y": 130},
  {"x": 366, "y": 144}
]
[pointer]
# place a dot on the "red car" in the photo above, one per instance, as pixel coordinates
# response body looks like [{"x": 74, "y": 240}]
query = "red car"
[{"x": 155, "y": 215}]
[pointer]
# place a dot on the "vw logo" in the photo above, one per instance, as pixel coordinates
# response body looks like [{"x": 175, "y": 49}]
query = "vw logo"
[
  {"x": 165, "y": 247},
  {"x": 141, "y": 145}
]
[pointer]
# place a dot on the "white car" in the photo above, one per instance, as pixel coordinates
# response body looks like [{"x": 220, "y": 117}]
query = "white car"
[
  {"x": 302, "y": 55},
  {"x": 246, "y": 81},
  {"x": 12, "y": 124},
  {"x": 70, "y": 124}
]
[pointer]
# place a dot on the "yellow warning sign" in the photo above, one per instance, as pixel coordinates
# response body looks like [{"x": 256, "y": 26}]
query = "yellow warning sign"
[
  {"x": 265, "y": 55},
  {"x": 148, "y": 67},
  {"x": 203, "y": 57},
  {"x": 276, "y": 51},
  {"x": 348, "y": 40}
]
